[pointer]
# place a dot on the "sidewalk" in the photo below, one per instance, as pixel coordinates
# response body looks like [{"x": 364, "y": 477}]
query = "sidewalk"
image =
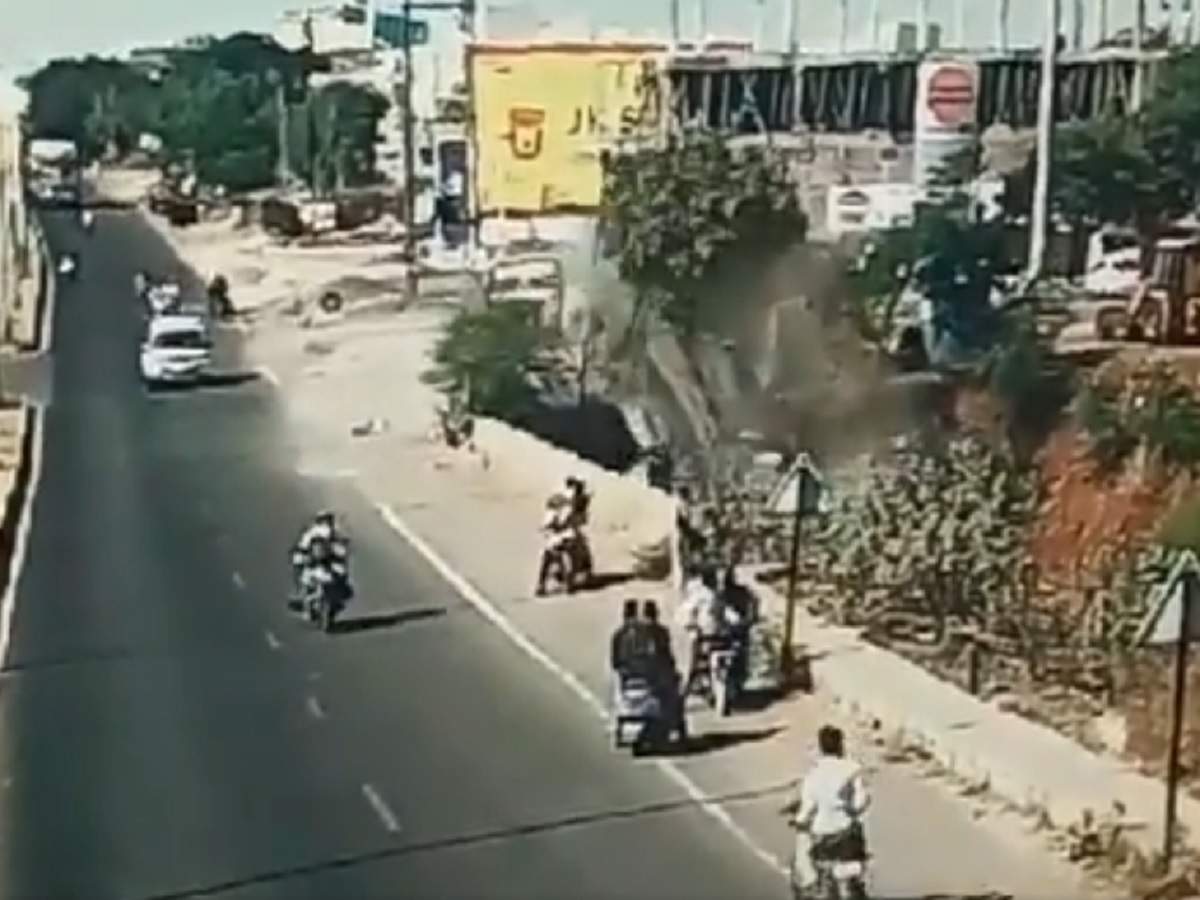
[{"x": 479, "y": 512}]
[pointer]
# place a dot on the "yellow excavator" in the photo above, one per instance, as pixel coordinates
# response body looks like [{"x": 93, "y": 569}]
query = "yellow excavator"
[{"x": 1165, "y": 306}]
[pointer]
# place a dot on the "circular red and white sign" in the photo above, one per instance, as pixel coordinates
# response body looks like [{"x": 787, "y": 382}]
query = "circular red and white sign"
[{"x": 951, "y": 95}]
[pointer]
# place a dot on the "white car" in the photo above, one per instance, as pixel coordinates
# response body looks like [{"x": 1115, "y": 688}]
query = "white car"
[{"x": 177, "y": 349}]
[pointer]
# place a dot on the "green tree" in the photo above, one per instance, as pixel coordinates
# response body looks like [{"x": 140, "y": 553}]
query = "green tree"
[
  {"x": 489, "y": 357},
  {"x": 216, "y": 108},
  {"x": 343, "y": 124},
  {"x": 1103, "y": 173},
  {"x": 672, "y": 214},
  {"x": 91, "y": 102}
]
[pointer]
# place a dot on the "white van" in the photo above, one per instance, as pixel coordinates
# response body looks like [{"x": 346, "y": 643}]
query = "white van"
[{"x": 177, "y": 349}]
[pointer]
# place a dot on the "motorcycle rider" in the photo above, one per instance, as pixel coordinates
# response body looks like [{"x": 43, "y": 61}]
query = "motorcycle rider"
[
  {"x": 629, "y": 645},
  {"x": 580, "y": 501},
  {"x": 832, "y": 801},
  {"x": 707, "y": 618},
  {"x": 321, "y": 537},
  {"x": 743, "y": 606},
  {"x": 219, "y": 305},
  {"x": 86, "y": 219},
  {"x": 556, "y": 527},
  {"x": 579, "y": 505},
  {"x": 665, "y": 675}
]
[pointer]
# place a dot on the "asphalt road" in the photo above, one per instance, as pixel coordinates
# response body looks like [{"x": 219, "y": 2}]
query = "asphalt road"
[{"x": 168, "y": 728}]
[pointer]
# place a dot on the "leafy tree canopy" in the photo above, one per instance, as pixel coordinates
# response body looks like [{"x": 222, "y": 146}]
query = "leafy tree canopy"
[
  {"x": 1140, "y": 170},
  {"x": 216, "y": 108},
  {"x": 675, "y": 212}
]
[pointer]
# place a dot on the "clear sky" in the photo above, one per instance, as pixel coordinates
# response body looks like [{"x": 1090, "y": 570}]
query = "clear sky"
[{"x": 33, "y": 30}]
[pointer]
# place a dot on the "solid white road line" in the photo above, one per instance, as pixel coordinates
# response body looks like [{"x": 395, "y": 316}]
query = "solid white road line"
[
  {"x": 20, "y": 545},
  {"x": 381, "y": 809},
  {"x": 489, "y": 611},
  {"x": 238, "y": 581},
  {"x": 272, "y": 641},
  {"x": 268, "y": 374},
  {"x": 314, "y": 707}
]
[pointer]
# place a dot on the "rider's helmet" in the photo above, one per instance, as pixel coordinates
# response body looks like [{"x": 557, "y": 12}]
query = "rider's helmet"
[{"x": 326, "y": 517}]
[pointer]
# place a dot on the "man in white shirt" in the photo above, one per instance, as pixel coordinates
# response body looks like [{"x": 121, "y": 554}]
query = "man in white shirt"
[
  {"x": 556, "y": 532},
  {"x": 833, "y": 800},
  {"x": 709, "y": 620}
]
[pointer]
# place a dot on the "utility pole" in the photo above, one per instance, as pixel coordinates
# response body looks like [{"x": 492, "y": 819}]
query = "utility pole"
[
  {"x": 922, "y": 23},
  {"x": 844, "y": 31},
  {"x": 281, "y": 108},
  {"x": 1077, "y": 24},
  {"x": 1039, "y": 220},
  {"x": 807, "y": 500},
  {"x": 1002, "y": 25},
  {"x": 702, "y": 20},
  {"x": 1102, "y": 23},
  {"x": 1139, "y": 26},
  {"x": 467, "y": 9},
  {"x": 410, "y": 164},
  {"x": 789, "y": 27},
  {"x": 876, "y": 27},
  {"x": 674, "y": 21}
]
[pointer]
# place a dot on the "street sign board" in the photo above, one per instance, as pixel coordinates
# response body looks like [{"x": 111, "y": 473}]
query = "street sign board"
[
  {"x": 951, "y": 94},
  {"x": 1165, "y": 616},
  {"x": 814, "y": 497}
]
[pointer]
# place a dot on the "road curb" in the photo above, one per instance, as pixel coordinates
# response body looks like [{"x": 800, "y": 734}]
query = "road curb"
[{"x": 14, "y": 524}]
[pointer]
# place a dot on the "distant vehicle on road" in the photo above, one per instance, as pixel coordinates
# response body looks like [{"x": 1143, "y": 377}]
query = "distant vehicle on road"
[{"x": 177, "y": 349}]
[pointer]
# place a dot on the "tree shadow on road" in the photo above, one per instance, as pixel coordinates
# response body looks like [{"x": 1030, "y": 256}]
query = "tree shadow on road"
[
  {"x": 712, "y": 741},
  {"x": 387, "y": 620}
]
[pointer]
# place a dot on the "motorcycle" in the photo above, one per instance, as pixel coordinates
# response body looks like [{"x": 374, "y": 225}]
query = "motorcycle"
[
  {"x": 571, "y": 563},
  {"x": 837, "y": 867},
  {"x": 86, "y": 220},
  {"x": 324, "y": 593},
  {"x": 718, "y": 673},
  {"x": 67, "y": 266},
  {"x": 323, "y": 586}
]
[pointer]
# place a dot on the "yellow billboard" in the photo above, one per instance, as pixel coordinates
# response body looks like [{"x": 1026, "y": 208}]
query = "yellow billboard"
[{"x": 543, "y": 114}]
